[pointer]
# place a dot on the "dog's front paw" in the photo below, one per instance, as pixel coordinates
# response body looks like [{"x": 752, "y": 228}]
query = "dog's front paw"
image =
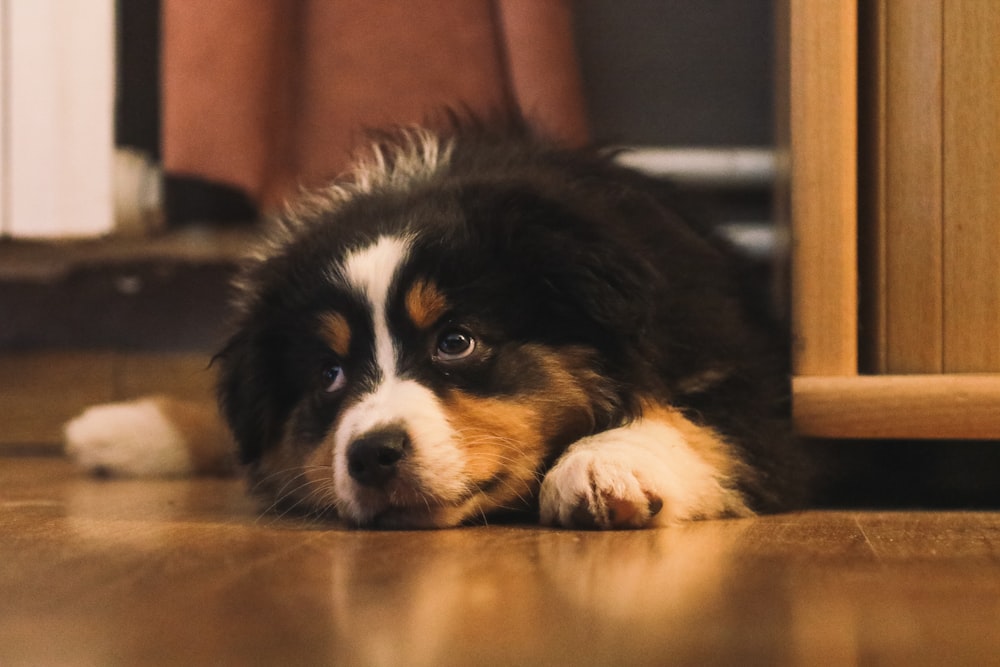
[
  {"x": 642, "y": 474},
  {"x": 589, "y": 490}
]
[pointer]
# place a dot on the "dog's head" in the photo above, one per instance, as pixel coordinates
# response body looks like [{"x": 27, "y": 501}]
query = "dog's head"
[{"x": 418, "y": 344}]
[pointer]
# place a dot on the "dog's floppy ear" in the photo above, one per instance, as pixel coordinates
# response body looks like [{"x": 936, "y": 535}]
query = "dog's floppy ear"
[
  {"x": 565, "y": 256},
  {"x": 243, "y": 393}
]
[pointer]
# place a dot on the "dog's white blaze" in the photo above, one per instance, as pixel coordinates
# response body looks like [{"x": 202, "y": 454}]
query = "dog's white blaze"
[
  {"x": 370, "y": 271},
  {"x": 434, "y": 460}
]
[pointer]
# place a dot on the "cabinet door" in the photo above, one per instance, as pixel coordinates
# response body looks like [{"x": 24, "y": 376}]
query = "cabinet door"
[
  {"x": 930, "y": 186},
  {"x": 894, "y": 212}
]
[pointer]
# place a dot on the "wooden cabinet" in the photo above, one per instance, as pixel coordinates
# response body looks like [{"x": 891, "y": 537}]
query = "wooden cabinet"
[{"x": 889, "y": 129}]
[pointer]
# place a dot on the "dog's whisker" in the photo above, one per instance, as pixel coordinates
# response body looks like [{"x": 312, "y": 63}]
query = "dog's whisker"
[
  {"x": 292, "y": 476},
  {"x": 313, "y": 486}
]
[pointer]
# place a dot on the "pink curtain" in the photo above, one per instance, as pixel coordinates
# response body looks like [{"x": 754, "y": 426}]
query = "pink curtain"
[{"x": 268, "y": 95}]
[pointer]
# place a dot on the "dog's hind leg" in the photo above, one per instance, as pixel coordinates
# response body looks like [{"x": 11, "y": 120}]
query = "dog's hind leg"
[{"x": 151, "y": 437}]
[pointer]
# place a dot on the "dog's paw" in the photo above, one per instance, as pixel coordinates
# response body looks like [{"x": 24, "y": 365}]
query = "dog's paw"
[
  {"x": 127, "y": 439},
  {"x": 589, "y": 490},
  {"x": 643, "y": 474}
]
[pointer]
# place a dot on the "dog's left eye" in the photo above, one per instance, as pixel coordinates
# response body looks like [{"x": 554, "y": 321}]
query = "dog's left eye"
[
  {"x": 333, "y": 378},
  {"x": 454, "y": 345}
]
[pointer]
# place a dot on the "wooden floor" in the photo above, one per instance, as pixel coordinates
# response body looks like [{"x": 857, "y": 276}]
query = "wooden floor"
[{"x": 187, "y": 572}]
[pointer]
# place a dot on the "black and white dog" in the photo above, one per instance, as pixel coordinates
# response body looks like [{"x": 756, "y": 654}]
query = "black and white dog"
[{"x": 475, "y": 321}]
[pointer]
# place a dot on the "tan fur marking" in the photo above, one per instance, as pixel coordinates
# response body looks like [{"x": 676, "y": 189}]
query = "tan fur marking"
[
  {"x": 496, "y": 433},
  {"x": 572, "y": 394},
  {"x": 425, "y": 304},
  {"x": 336, "y": 332},
  {"x": 207, "y": 439},
  {"x": 509, "y": 438},
  {"x": 708, "y": 444},
  {"x": 494, "y": 428},
  {"x": 502, "y": 440}
]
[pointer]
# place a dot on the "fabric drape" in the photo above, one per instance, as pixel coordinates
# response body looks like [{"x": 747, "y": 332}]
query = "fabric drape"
[{"x": 272, "y": 95}]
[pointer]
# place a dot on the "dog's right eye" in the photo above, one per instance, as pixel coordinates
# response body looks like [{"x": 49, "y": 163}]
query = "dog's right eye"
[
  {"x": 333, "y": 378},
  {"x": 454, "y": 345}
]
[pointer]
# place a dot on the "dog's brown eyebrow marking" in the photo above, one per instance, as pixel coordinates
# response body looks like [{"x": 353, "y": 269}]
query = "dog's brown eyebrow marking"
[
  {"x": 336, "y": 332},
  {"x": 425, "y": 304}
]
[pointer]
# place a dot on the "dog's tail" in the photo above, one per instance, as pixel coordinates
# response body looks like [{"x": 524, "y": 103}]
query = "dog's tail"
[{"x": 157, "y": 436}]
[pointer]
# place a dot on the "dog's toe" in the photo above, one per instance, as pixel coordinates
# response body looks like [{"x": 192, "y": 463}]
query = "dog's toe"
[
  {"x": 585, "y": 492},
  {"x": 614, "y": 513}
]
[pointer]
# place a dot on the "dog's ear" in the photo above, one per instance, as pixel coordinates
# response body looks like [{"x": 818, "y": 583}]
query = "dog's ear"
[
  {"x": 579, "y": 271},
  {"x": 244, "y": 393}
]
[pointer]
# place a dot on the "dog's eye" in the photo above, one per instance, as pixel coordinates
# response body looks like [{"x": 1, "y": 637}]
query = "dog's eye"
[
  {"x": 333, "y": 378},
  {"x": 454, "y": 345}
]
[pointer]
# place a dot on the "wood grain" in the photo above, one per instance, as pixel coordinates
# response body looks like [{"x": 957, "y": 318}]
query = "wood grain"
[
  {"x": 40, "y": 391},
  {"x": 972, "y": 186},
  {"x": 913, "y": 187},
  {"x": 931, "y": 189},
  {"x": 898, "y": 406},
  {"x": 822, "y": 81},
  {"x": 185, "y": 572}
]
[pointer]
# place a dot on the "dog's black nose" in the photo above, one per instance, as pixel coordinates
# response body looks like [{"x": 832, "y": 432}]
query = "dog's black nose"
[{"x": 372, "y": 459}]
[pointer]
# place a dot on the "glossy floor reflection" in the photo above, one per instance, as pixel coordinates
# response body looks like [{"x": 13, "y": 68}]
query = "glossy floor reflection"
[{"x": 186, "y": 572}]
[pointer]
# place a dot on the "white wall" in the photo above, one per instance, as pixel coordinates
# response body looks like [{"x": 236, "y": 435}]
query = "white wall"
[{"x": 56, "y": 117}]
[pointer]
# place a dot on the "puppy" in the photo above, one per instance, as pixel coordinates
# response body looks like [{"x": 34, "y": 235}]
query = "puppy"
[{"x": 475, "y": 321}]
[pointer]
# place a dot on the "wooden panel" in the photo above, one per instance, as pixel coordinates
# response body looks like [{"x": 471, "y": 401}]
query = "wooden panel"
[
  {"x": 39, "y": 391},
  {"x": 184, "y": 375},
  {"x": 901, "y": 189},
  {"x": 898, "y": 406},
  {"x": 972, "y": 186},
  {"x": 822, "y": 49},
  {"x": 913, "y": 297}
]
